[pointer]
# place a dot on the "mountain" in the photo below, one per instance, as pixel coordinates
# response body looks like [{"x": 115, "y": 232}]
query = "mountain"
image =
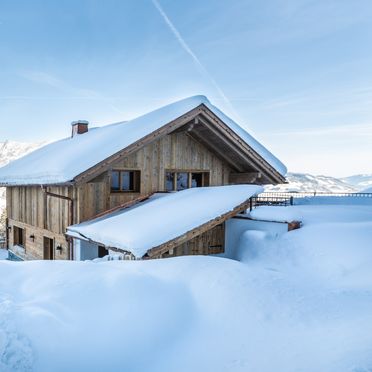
[
  {"x": 304, "y": 182},
  {"x": 360, "y": 181},
  {"x": 11, "y": 150}
]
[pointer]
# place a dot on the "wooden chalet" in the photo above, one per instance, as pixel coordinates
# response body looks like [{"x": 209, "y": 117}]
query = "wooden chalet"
[{"x": 100, "y": 172}]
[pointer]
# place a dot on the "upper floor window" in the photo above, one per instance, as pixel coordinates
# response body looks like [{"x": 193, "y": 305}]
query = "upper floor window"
[
  {"x": 125, "y": 181},
  {"x": 181, "y": 180}
]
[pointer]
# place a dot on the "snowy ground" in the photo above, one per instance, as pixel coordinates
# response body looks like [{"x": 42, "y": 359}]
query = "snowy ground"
[
  {"x": 298, "y": 302},
  {"x": 3, "y": 254}
]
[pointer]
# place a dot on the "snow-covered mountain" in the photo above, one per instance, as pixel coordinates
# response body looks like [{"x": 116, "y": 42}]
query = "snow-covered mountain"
[
  {"x": 360, "y": 181},
  {"x": 11, "y": 150},
  {"x": 304, "y": 182}
]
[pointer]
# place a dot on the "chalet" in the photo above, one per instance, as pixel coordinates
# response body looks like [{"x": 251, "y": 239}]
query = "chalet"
[{"x": 113, "y": 188}]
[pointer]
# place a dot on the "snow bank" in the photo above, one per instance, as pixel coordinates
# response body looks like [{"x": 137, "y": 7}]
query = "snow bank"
[
  {"x": 57, "y": 162},
  {"x": 3, "y": 254},
  {"x": 301, "y": 301},
  {"x": 164, "y": 218}
]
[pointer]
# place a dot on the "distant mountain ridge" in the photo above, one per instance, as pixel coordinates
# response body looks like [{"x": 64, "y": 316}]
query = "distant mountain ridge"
[
  {"x": 360, "y": 181},
  {"x": 304, "y": 182}
]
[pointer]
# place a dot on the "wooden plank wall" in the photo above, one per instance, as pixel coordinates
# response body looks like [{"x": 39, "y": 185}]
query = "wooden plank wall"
[
  {"x": 210, "y": 242},
  {"x": 31, "y": 206},
  {"x": 175, "y": 151},
  {"x": 33, "y": 247}
]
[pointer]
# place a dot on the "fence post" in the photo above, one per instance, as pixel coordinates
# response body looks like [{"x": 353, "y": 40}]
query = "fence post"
[{"x": 291, "y": 200}]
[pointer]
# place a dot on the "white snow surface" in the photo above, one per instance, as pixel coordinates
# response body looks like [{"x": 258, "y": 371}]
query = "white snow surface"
[
  {"x": 63, "y": 160},
  {"x": 3, "y": 254},
  {"x": 301, "y": 301},
  {"x": 164, "y": 218}
]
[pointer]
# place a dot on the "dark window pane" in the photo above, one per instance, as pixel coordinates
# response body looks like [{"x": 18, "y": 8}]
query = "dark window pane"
[
  {"x": 127, "y": 181},
  {"x": 169, "y": 179},
  {"x": 196, "y": 179},
  {"x": 182, "y": 181},
  {"x": 115, "y": 181}
]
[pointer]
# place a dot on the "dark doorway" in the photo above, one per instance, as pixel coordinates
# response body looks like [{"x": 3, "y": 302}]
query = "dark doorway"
[
  {"x": 102, "y": 251},
  {"x": 48, "y": 249}
]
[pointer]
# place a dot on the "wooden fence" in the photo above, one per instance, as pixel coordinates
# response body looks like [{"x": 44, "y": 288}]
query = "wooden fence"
[{"x": 287, "y": 198}]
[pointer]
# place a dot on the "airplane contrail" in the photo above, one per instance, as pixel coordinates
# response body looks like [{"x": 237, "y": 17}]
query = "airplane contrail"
[{"x": 196, "y": 60}]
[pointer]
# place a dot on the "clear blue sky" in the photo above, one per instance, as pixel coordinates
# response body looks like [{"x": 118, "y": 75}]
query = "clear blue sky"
[{"x": 295, "y": 73}]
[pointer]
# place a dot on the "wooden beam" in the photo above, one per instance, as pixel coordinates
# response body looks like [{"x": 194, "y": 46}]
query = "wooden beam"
[
  {"x": 243, "y": 178},
  {"x": 214, "y": 149},
  {"x": 271, "y": 172},
  {"x": 230, "y": 143},
  {"x": 156, "y": 251},
  {"x": 121, "y": 206}
]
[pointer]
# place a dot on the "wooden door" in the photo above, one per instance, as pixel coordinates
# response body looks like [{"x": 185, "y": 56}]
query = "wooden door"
[{"x": 48, "y": 249}]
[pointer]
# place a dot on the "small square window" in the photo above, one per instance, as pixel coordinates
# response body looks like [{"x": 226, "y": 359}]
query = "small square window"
[{"x": 125, "y": 181}]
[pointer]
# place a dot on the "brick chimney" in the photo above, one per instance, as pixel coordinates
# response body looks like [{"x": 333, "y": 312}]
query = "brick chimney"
[{"x": 79, "y": 127}]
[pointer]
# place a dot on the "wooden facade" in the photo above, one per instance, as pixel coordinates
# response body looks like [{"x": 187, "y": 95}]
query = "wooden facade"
[
  {"x": 197, "y": 142},
  {"x": 40, "y": 214}
]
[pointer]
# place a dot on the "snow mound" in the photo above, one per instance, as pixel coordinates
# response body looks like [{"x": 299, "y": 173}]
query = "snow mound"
[{"x": 300, "y": 301}]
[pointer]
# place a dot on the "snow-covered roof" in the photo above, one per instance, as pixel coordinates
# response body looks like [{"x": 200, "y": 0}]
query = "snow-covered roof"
[
  {"x": 164, "y": 218},
  {"x": 62, "y": 161}
]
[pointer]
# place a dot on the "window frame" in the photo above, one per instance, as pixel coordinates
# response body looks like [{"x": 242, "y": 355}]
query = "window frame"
[
  {"x": 136, "y": 181},
  {"x": 19, "y": 231},
  {"x": 206, "y": 176}
]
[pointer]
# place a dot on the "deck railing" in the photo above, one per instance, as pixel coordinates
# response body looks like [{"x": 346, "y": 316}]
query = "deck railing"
[
  {"x": 312, "y": 194},
  {"x": 287, "y": 198}
]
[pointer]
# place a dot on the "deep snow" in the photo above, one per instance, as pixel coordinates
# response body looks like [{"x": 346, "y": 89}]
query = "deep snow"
[{"x": 301, "y": 301}]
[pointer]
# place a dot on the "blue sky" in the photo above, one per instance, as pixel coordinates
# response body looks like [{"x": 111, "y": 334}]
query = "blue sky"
[{"x": 295, "y": 73}]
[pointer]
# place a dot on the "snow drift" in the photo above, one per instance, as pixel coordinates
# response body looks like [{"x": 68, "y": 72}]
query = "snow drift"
[{"x": 301, "y": 301}]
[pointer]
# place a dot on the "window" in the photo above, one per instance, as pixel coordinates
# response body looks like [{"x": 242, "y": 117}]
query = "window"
[
  {"x": 19, "y": 236},
  {"x": 182, "y": 181},
  {"x": 177, "y": 181},
  {"x": 125, "y": 181}
]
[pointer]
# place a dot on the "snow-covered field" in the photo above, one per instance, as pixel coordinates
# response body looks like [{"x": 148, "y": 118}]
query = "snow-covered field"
[{"x": 297, "y": 302}]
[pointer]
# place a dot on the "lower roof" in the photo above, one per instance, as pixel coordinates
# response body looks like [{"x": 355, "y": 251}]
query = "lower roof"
[{"x": 163, "y": 217}]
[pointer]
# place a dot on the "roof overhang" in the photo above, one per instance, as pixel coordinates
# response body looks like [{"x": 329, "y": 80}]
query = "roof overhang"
[{"x": 205, "y": 127}]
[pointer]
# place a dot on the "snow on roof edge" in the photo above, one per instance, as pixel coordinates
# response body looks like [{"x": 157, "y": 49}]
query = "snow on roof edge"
[
  {"x": 161, "y": 220},
  {"x": 60, "y": 169}
]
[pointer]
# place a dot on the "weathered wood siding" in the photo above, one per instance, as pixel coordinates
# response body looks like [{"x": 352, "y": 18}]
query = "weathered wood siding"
[
  {"x": 176, "y": 151},
  {"x": 210, "y": 242},
  {"x": 33, "y": 247},
  {"x": 30, "y": 205},
  {"x": 42, "y": 215}
]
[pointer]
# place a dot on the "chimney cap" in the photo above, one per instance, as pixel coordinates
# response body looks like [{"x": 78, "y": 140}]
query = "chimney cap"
[{"x": 76, "y": 122}]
